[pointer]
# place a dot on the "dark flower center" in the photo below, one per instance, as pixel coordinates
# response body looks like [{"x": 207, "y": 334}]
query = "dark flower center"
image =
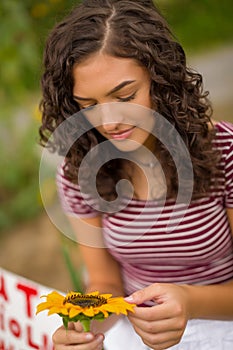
[{"x": 85, "y": 300}]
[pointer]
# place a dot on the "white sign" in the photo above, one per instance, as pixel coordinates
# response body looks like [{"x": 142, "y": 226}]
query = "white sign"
[{"x": 20, "y": 327}]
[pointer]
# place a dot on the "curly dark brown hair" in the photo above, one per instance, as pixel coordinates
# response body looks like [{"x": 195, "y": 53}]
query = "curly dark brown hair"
[{"x": 136, "y": 30}]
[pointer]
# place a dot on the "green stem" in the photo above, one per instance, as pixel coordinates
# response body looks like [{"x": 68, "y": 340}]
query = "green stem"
[
  {"x": 75, "y": 278},
  {"x": 86, "y": 325}
]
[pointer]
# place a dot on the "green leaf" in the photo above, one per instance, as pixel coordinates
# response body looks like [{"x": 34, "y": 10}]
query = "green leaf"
[
  {"x": 100, "y": 317},
  {"x": 65, "y": 320}
]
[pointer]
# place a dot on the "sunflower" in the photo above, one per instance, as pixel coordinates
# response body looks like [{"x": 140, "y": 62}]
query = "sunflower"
[{"x": 84, "y": 307}]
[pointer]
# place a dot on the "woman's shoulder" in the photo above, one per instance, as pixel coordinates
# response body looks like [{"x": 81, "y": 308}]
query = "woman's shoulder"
[
  {"x": 73, "y": 200},
  {"x": 224, "y": 135},
  {"x": 224, "y": 128},
  {"x": 223, "y": 142}
]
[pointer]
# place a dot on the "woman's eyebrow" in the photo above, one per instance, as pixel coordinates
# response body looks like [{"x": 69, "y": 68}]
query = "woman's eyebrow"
[
  {"x": 115, "y": 89},
  {"x": 120, "y": 86}
]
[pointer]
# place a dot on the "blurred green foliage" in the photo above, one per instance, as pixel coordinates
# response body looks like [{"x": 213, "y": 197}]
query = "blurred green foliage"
[
  {"x": 24, "y": 26},
  {"x": 199, "y": 24},
  {"x": 18, "y": 175}
]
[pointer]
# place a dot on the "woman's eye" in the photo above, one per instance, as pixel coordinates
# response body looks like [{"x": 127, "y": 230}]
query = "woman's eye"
[
  {"x": 88, "y": 107},
  {"x": 128, "y": 98}
]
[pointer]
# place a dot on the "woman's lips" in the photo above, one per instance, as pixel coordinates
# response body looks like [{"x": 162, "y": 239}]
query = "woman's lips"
[{"x": 122, "y": 135}]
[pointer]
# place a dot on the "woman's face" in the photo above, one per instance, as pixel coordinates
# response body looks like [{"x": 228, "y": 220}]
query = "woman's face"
[{"x": 117, "y": 92}]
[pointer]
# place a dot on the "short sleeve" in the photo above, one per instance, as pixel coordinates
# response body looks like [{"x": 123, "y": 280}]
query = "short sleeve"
[
  {"x": 229, "y": 178},
  {"x": 73, "y": 202}
]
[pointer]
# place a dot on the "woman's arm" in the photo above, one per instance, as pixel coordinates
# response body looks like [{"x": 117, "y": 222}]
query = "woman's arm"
[{"x": 103, "y": 272}]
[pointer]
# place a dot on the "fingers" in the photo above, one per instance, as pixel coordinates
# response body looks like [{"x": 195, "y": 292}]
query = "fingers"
[
  {"x": 96, "y": 344},
  {"x": 72, "y": 339},
  {"x": 157, "y": 312},
  {"x": 156, "y": 327},
  {"x": 71, "y": 336},
  {"x": 159, "y": 326},
  {"x": 77, "y": 326},
  {"x": 143, "y": 295},
  {"x": 159, "y": 339}
]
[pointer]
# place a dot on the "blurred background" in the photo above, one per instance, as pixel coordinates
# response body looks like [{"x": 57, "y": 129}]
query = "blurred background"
[{"x": 30, "y": 245}]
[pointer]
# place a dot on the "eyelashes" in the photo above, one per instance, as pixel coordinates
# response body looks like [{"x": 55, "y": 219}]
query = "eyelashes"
[
  {"x": 127, "y": 99},
  {"x": 120, "y": 99}
]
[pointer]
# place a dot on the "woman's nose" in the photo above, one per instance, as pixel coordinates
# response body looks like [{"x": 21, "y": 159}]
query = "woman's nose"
[{"x": 110, "y": 119}]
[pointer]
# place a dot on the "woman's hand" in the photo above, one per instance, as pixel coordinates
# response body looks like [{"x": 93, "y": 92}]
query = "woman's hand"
[
  {"x": 76, "y": 339},
  {"x": 162, "y": 325}
]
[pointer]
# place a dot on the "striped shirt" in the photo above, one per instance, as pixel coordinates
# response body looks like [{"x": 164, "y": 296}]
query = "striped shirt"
[{"x": 173, "y": 243}]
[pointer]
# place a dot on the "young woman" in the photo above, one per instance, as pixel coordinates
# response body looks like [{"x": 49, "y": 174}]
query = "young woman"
[{"x": 141, "y": 115}]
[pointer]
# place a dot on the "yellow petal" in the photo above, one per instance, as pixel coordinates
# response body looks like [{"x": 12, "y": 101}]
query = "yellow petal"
[
  {"x": 93, "y": 293},
  {"x": 43, "y": 306},
  {"x": 106, "y": 296},
  {"x": 55, "y": 297},
  {"x": 55, "y": 310},
  {"x": 105, "y": 313},
  {"x": 89, "y": 311},
  {"x": 74, "y": 312}
]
